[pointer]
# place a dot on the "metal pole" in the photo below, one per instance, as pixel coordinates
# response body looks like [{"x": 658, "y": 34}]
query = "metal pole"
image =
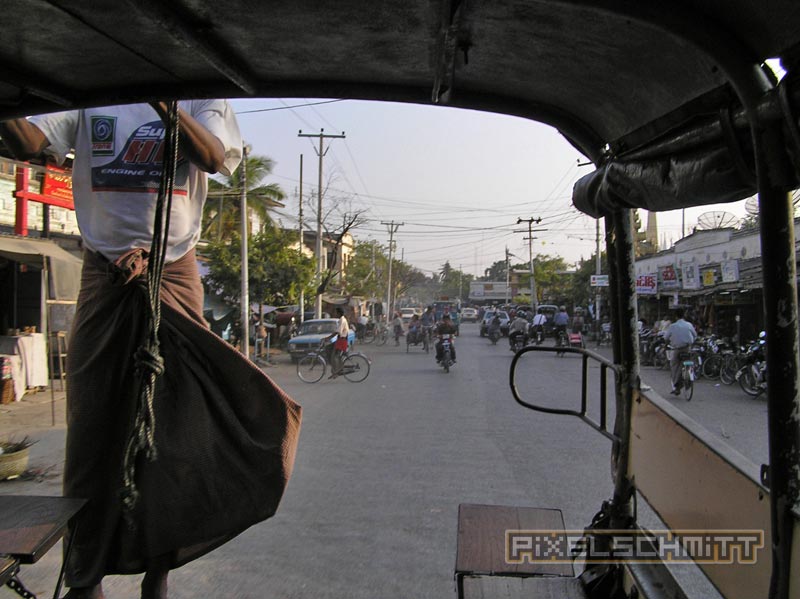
[
  {"x": 244, "y": 345},
  {"x": 300, "y": 221},
  {"x": 508, "y": 275},
  {"x": 599, "y": 271},
  {"x": 778, "y": 262},
  {"x": 623, "y": 284}
]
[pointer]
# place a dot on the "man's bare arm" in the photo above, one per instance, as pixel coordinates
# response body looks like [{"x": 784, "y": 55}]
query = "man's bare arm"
[
  {"x": 23, "y": 138},
  {"x": 200, "y": 146}
]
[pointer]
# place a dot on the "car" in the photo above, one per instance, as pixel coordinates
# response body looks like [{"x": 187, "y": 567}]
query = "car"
[
  {"x": 505, "y": 321},
  {"x": 311, "y": 333},
  {"x": 469, "y": 315},
  {"x": 407, "y": 313},
  {"x": 549, "y": 310}
]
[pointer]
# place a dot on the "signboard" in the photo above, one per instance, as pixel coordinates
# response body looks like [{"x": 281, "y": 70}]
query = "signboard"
[
  {"x": 691, "y": 276},
  {"x": 669, "y": 277},
  {"x": 57, "y": 184},
  {"x": 599, "y": 281},
  {"x": 709, "y": 278},
  {"x": 730, "y": 271},
  {"x": 647, "y": 284},
  {"x": 484, "y": 290}
]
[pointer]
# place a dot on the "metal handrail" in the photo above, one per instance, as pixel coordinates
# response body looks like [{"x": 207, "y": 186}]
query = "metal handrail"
[{"x": 586, "y": 355}]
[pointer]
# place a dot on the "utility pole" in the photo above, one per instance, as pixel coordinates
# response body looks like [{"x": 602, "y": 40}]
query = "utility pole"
[
  {"x": 508, "y": 275},
  {"x": 244, "y": 304},
  {"x": 300, "y": 225},
  {"x": 530, "y": 238},
  {"x": 392, "y": 226},
  {"x": 321, "y": 153}
]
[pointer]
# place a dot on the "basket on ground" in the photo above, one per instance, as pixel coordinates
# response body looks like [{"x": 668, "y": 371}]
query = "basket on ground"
[{"x": 13, "y": 464}]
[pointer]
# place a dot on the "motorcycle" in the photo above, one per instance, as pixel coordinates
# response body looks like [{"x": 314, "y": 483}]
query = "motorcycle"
[
  {"x": 447, "y": 352},
  {"x": 538, "y": 335},
  {"x": 752, "y": 376},
  {"x": 494, "y": 335},
  {"x": 518, "y": 342}
]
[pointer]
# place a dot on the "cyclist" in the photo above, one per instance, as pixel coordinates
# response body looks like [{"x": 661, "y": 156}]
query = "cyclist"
[
  {"x": 560, "y": 323},
  {"x": 538, "y": 324},
  {"x": 518, "y": 328},
  {"x": 341, "y": 344},
  {"x": 445, "y": 327},
  {"x": 680, "y": 335},
  {"x": 414, "y": 330}
]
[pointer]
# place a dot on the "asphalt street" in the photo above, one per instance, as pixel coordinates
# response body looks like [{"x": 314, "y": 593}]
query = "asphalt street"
[{"x": 382, "y": 466}]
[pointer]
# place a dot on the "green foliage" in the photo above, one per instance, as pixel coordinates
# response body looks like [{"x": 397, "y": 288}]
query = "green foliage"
[
  {"x": 276, "y": 272},
  {"x": 222, "y": 210},
  {"x": 582, "y": 291}
]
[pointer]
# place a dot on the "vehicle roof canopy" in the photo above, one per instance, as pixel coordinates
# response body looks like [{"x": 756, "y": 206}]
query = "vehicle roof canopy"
[{"x": 659, "y": 95}]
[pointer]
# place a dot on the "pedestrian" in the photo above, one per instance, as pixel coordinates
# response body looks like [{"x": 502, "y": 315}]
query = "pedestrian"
[
  {"x": 680, "y": 335},
  {"x": 397, "y": 325},
  {"x": 174, "y": 510}
]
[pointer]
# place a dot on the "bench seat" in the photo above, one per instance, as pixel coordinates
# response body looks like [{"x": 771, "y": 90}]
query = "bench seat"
[{"x": 482, "y": 569}]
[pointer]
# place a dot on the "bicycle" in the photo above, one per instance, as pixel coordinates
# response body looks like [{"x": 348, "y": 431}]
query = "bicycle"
[
  {"x": 381, "y": 334},
  {"x": 312, "y": 367},
  {"x": 688, "y": 374}
]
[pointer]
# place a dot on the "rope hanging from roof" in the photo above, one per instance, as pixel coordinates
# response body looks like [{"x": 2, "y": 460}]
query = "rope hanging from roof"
[{"x": 148, "y": 360}]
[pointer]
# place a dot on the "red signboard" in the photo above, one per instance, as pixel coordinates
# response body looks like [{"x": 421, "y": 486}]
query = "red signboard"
[{"x": 57, "y": 184}]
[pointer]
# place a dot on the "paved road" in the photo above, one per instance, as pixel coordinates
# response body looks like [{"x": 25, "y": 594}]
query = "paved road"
[{"x": 382, "y": 466}]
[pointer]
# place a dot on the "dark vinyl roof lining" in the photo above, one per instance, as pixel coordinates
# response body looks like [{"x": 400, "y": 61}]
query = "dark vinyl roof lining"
[{"x": 607, "y": 73}]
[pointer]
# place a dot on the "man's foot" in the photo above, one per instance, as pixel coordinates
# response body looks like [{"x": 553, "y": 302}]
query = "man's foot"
[
  {"x": 333, "y": 375},
  {"x": 95, "y": 592},
  {"x": 675, "y": 392}
]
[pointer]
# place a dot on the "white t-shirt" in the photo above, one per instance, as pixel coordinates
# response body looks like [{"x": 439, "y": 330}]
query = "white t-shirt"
[{"x": 117, "y": 171}]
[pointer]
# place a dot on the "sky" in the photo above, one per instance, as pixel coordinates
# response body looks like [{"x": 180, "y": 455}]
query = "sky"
[{"x": 457, "y": 179}]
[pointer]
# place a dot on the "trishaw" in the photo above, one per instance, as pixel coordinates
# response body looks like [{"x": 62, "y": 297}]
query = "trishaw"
[{"x": 672, "y": 102}]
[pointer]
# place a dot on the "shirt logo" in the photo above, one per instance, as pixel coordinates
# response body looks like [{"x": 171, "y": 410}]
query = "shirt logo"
[{"x": 103, "y": 135}]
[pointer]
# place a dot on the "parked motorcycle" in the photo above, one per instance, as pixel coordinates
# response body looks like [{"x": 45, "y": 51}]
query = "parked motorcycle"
[{"x": 752, "y": 376}]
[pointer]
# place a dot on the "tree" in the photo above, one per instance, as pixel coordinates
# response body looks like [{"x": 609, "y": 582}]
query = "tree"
[
  {"x": 222, "y": 210},
  {"x": 276, "y": 271},
  {"x": 581, "y": 290}
]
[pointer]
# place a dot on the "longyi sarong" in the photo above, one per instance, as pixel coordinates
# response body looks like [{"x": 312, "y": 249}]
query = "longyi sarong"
[{"x": 225, "y": 434}]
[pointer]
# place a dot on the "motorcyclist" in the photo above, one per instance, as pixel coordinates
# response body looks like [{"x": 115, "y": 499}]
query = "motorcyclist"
[
  {"x": 494, "y": 327},
  {"x": 560, "y": 323},
  {"x": 445, "y": 327},
  {"x": 517, "y": 329},
  {"x": 537, "y": 326}
]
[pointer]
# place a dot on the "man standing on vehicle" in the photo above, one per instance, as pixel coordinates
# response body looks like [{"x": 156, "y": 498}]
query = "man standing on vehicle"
[
  {"x": 117, "y": 170},
  {"x": 680, "y": 335}
]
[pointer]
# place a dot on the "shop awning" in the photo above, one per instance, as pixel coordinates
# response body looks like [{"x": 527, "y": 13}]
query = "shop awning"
[{"x": 64, "y": 268}]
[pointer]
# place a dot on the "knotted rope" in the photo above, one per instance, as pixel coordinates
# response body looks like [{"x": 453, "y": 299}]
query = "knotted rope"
[{"x": 149, "y": 363}]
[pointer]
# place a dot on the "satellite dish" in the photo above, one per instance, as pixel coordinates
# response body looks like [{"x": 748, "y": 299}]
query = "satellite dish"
[
  {"x": 715, "y": 220},
  {"x": 751, "y": 206}
]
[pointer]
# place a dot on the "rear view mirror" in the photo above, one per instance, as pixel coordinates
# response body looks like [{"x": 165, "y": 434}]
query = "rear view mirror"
[{"x": 570, "y": 381}]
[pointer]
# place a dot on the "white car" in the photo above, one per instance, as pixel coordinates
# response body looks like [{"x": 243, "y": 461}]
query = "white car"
[
  {"x": 407, "y": 313},
  {"x": 469, "y": 315}
]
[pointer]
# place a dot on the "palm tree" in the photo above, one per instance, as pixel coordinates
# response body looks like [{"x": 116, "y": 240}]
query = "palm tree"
[{"x": 221, "y": 213}]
